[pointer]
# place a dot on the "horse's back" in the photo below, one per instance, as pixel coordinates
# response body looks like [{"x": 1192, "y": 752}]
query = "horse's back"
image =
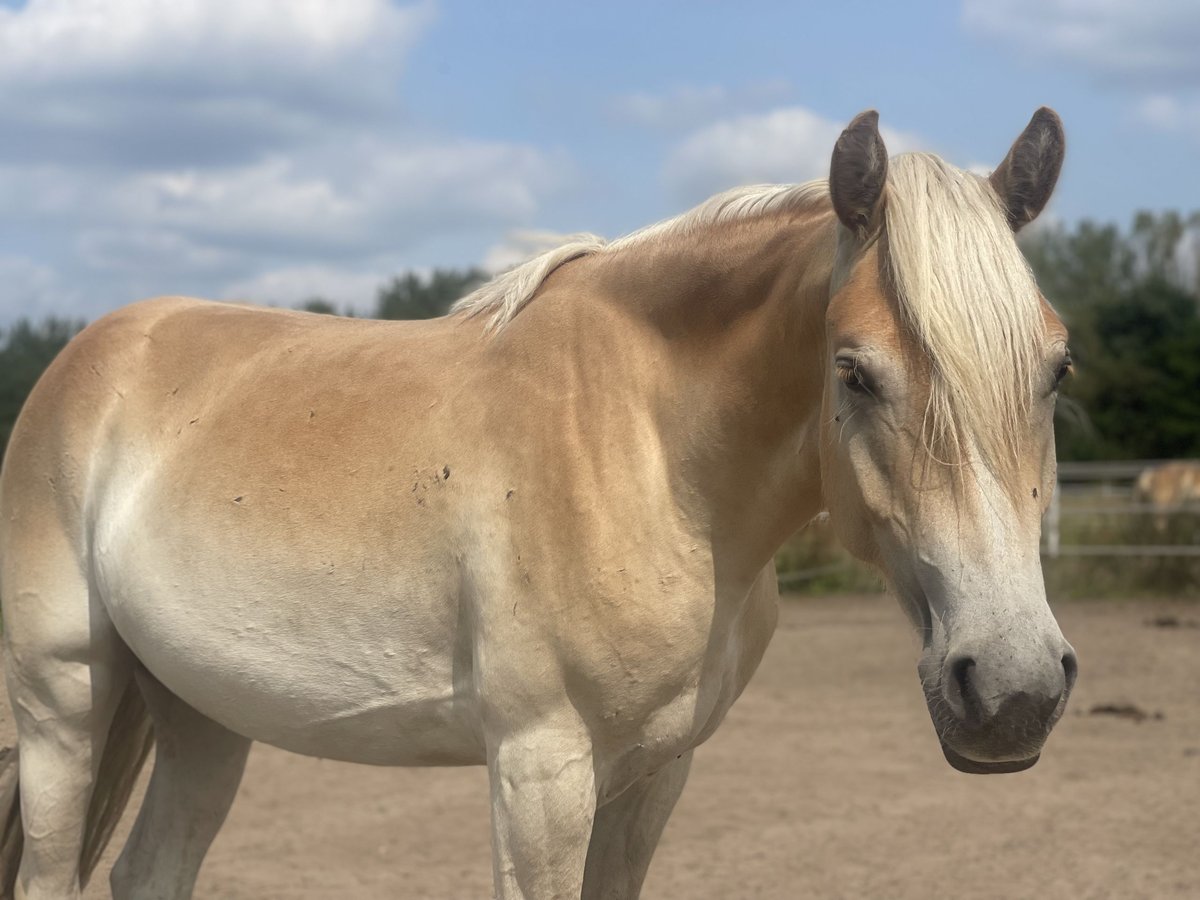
[{"x": 198, "y": 395}]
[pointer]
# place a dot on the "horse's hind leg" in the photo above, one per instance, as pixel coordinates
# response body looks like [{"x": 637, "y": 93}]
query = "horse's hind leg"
[
  {"x": 197, "y": 768},
  {"x": 626, "y": 832},
  {"x": 67, "y": 669}
]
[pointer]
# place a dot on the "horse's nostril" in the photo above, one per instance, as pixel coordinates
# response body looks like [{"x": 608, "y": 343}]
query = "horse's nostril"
[
  {"x": 1070, "y": 668},
  {"x": 960, "y": 671}
]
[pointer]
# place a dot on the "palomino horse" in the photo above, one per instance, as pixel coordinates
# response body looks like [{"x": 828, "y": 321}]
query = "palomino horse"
[
  {"x": 1171, "y": 487},
  {"x": 535, "y": 534}
]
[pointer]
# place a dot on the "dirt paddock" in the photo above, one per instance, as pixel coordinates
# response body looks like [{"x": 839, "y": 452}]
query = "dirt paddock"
[{"x": 825, "y": 781}]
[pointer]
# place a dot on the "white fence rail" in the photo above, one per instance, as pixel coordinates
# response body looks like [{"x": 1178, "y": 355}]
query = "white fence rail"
[
  {"x": 1085, "y": 489},
  {"x": 1095, "y": 489}
]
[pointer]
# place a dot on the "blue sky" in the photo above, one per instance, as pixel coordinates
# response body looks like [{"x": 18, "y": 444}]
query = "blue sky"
[{"x": 272, "y": 150}]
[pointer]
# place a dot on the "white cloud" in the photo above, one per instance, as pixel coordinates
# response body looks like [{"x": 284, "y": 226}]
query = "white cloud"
[
  {"x": 145, "y": 251},
  {"x": 274, "y": 231},
  {"x": 1147, "y": 42},
  {"x": 202, "y": 145},
  {"x": 782, "y": 146},
  {"x": 76, "y": 40},
  {"x": 355, "y": 198},
  {"x": 1161, "y": 111},
  {"x": 125, "y": 82},
  {"x": 30, "y": 289},
  {"x": 520, "y": 245},
  {"x": 291, "y": 286},
  {"x": 688, "y": 106},
  {"x": 1170, "y": 115}
]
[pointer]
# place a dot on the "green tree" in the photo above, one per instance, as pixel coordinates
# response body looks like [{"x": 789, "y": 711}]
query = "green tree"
[
  {"x": 1143, "y": 390},
  {"x": 413, "y": 297},
  {"x": 26, "y": 350},
  {"x": 319, "y": 305},
  {"x": 1079, "y": 268},
  {"x": 1132, "y": 304}
]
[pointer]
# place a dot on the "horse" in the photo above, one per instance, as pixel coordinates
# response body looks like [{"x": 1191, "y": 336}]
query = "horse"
[
  {"x": 535, "y": 534},
  {"x": 1167, "y": 488}
]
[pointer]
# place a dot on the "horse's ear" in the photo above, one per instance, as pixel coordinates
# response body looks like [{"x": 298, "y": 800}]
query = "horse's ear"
[
  {"x": 1026, "y": 178},
  {"x": 857, "y": 174}
]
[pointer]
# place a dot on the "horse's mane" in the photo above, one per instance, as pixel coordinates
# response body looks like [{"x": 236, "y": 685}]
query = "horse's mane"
[
  {"x": 506, "y": 294},
  {"x": 962, "y": 284},
  {"x": 969, "y": 297}
]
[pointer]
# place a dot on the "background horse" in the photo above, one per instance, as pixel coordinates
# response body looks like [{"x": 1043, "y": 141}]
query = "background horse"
[
  {"x": 1167, "y": 488},
  {"x": 535, "y": 534}
]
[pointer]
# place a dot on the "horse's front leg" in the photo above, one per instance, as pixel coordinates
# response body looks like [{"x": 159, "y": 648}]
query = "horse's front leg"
[
  {"x": 626, "y": 832},
  {"x": 543, "y": 801}
]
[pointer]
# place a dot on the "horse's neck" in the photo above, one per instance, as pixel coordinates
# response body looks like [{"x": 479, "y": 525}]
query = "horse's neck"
[{"x": 742, "y": 309}]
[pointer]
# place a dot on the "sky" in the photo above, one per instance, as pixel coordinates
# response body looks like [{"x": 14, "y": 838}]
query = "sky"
[{"x": 277, "y": 150}]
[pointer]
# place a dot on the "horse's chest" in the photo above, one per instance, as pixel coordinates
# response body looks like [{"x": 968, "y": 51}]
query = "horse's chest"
[{"x": 694, "y": 689}]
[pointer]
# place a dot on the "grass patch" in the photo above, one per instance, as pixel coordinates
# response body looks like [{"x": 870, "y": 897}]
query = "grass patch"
[
  {"x": 814, "y": 562},
  {"x": 1112, "y": 575}
]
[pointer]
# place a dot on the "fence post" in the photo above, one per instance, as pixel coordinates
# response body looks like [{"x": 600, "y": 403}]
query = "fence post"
[{"x": 1052, "y": 518}]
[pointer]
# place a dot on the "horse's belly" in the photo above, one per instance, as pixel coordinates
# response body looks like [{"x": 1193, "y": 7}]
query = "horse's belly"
[
  {"x": 366, "y": 667},
  {"x": 404, "y": 725},
  {"x": 369, "y": 700}
]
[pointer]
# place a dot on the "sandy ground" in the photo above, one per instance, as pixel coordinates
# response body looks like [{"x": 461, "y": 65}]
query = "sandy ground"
[{"x": 824, "y": 781}]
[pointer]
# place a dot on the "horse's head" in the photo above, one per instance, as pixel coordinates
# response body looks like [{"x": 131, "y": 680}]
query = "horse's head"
[{"x": 937, "y": 427}]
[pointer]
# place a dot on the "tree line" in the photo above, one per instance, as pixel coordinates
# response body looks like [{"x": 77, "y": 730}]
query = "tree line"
[{"x": 1131, "y": 298}]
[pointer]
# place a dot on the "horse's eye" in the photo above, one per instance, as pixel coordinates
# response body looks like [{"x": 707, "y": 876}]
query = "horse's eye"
[
  {"x": 1065, "y": 368},
  {"x": 849, "y": 373}
]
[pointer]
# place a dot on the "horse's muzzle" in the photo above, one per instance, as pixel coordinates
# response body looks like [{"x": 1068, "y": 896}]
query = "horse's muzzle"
[{"x": 995, "y": 721}]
